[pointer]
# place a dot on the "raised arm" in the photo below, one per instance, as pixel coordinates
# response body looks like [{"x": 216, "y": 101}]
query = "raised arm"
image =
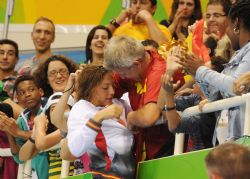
[
  {"x": 124, "y": 16},
  {"x": 176, "y": 21},
  {"x": 57, "y": 114},
  {"x": 170, "y": 112},
  {"x": 155, "y": 32},
  {"x": 44, "y": 141}
]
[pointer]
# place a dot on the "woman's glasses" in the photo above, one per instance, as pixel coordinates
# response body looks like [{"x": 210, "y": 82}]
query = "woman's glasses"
[
  {"x": 63, "y": 72},
  {"x": 214, "y": 15}
]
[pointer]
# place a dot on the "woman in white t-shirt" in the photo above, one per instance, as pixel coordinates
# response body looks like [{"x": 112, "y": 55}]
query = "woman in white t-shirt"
[{"x": 97, "y": 126}]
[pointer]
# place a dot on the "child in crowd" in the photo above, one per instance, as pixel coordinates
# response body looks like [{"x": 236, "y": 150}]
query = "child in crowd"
[
  {"x": 29, "y": 94},
  {"x": 97, "y": 126}
]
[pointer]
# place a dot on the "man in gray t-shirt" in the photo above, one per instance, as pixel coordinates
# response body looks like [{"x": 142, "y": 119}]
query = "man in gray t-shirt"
[{"x": 43, "y": 35}]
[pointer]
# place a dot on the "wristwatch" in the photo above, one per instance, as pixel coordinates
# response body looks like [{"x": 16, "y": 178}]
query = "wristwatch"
[
  {"x": 114, "y": 23},
  {"x": 166, "y": 108}
]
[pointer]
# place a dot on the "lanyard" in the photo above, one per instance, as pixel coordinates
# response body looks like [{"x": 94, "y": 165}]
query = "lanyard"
[{"x": 25, "y": 115}]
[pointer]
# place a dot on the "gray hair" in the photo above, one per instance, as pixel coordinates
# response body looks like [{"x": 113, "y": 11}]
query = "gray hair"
[{"x": 121, "y": 52}]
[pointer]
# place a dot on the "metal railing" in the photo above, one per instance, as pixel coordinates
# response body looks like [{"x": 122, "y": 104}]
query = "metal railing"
[
  {"x": 212, "y": 107},
  {"x": 8, "y": 14}
]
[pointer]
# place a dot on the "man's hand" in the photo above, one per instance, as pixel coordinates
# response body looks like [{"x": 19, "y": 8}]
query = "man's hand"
[
  {"x": 184, "y": 92},
  {"x": 142, "y": 16},
  {"x": 125, "y": 15}
]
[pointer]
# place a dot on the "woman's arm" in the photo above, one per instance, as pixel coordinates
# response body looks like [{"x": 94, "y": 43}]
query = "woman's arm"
[
  {"x": 65, "y": 152},
  {"x": 57, "y": 115},
  {"x": 206, "y": 76},
  {"x": 44, "y": 141},
  {"x": 176, "y": 21}
]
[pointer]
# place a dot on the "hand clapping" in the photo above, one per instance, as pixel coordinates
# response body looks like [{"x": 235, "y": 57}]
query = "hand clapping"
[{"x": 190, "y": 62}]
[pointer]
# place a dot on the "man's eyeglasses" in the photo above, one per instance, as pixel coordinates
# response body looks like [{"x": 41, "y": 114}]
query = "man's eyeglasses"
[
  {"x": 63, "y": 72},
  {"x": 215, "y": 15}
]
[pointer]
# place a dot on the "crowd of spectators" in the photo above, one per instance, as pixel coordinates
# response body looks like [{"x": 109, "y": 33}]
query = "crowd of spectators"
[{"x": 51, "y": 100}]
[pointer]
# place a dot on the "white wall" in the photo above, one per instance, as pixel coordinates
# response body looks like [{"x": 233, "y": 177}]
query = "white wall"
[{"x": 66, "y": 35}]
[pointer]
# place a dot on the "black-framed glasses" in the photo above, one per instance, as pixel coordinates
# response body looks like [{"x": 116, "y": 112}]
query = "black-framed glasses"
[{"x": 215, "y": 15}]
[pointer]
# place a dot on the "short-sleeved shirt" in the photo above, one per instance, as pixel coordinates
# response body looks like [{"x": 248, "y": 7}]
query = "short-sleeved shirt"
[
  {"x": 141, "y": 93},
  {"x": 140, "y": 31},
  {"x": 156, "y": 137},
  {"x": 28, "y": 66},
  {"x": 39, "y": 163}
]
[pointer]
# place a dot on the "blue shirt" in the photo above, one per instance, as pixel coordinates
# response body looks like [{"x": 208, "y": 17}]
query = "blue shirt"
[{"x": 219, "y": 85}]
